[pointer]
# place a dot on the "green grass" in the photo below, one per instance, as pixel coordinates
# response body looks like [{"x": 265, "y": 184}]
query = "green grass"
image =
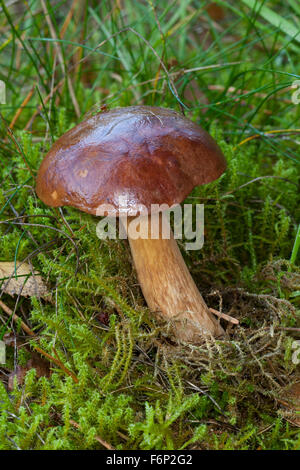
[{"x": 117, "y": 372}]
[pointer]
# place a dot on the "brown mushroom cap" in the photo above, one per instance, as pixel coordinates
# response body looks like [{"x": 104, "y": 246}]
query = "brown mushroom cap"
[{"x": 147, "y": 155}]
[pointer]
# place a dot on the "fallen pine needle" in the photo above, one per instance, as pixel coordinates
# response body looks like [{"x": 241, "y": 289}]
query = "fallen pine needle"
[
  {"x": 19, "y": 111},
  {"x": 263, "y": 134}
]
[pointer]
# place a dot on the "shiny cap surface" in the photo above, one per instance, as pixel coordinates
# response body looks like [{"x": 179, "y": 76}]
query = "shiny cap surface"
[{"x": 139, "y": 155}]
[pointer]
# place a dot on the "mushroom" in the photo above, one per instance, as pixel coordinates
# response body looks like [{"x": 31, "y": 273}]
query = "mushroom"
[{"x": 146, "y": 155}]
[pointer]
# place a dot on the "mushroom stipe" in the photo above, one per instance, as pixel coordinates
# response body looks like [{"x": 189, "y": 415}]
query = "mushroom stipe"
[{"x": 147, "y": 155}]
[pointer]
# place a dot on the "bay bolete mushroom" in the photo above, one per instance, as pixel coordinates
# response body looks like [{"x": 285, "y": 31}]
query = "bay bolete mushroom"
[{"x": 148, "y": 155}]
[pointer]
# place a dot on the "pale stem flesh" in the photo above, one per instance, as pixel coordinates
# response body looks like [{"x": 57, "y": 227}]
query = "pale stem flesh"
[{"x": 167, "y": 284}]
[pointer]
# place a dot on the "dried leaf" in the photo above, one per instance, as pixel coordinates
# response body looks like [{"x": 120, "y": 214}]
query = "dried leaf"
[
  {"x": 25, "y": 280},
  {"x": 36, "y": 362},
  {"x": 215, "y": 11},
  {"x": 103, "y": 317},
  {"x": 19, "y": 373},
  {"x": 10, "y": 339}
]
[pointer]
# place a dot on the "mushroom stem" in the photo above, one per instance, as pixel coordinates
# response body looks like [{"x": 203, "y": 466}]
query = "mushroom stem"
[{"x": 166, "y": 283}]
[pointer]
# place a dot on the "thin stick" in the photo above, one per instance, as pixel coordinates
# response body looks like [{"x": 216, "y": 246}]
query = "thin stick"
[
  {"x": 16, "y": 318},
  {"x": 224, "y": 316}
]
